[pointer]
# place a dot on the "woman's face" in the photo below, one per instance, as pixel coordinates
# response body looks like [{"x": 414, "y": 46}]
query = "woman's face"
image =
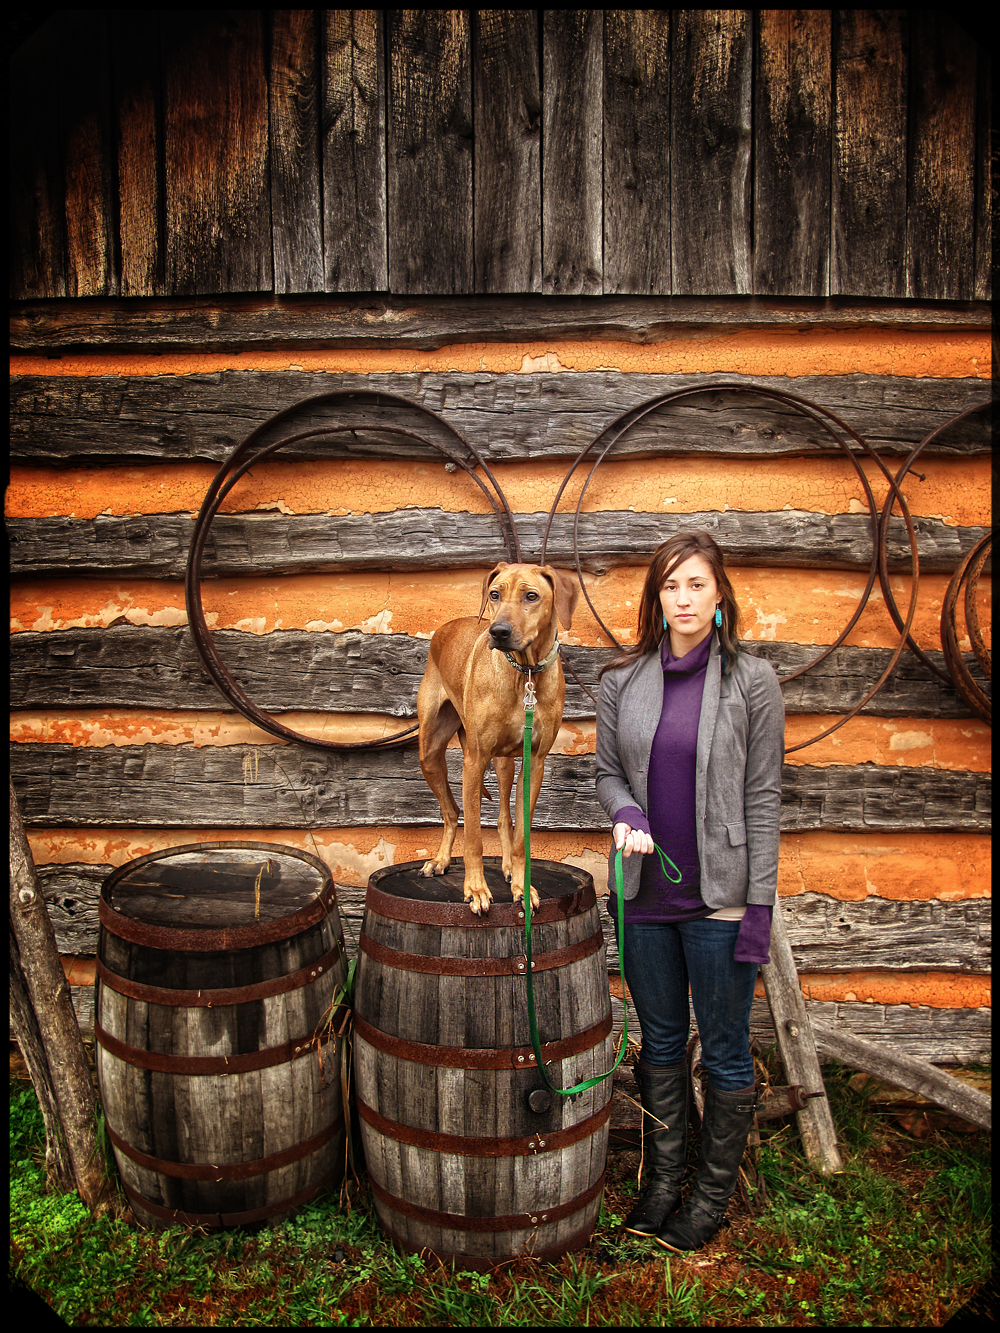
[{"x": 689, "y": 596}]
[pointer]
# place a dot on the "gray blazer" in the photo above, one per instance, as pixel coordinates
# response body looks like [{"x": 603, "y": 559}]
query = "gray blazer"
[{"x": 741, "y": 740}]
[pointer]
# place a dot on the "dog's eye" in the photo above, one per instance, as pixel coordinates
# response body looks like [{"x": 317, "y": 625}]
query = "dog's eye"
[
  {"x": 531, "y": 596},
  {"x": 494, "y": 595}
]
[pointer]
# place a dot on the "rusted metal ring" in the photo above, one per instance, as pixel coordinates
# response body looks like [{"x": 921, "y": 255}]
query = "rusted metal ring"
[
  {"x": 823, "y": 417},
  {"x": 977, "y": 699},
  {"x": 245, "y": 455}
]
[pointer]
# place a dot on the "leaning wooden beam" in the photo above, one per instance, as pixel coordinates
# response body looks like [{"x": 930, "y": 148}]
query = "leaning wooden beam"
[
  {"x": 793, "y": 1029},
  {"x": 47, "y": 993},
  {"x": 905, "y": 1071}
]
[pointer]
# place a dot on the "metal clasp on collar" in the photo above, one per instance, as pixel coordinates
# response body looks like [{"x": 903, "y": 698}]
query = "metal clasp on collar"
[{"x": 530, "y": 699}]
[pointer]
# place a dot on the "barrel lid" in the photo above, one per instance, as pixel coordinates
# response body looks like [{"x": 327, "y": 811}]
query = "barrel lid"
[
  {"x": 563, "y": 890},
  {"x": 217, "y": 893}
]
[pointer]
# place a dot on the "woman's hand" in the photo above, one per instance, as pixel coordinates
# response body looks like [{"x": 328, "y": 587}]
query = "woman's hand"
[{"x": 631, "y": 839}]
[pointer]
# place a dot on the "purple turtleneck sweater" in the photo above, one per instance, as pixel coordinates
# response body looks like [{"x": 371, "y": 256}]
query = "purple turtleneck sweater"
[{"x": 670, "y": 787}]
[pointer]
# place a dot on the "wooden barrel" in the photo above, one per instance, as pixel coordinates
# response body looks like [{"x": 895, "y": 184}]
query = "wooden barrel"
[
  {"x": 468, "y": 1154},
  {"x": 218, "y": 971}
]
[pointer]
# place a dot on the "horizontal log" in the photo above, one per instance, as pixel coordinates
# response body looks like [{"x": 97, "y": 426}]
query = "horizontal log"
[
  {"x": 826, "y": 934},
  {"x": 149, "y": 667},
  {"x": 125, "y": 420},
  {"x": 295, "y": 786},
  {"x": 317, "y": 323},
  {"x": 940, "y": 1036},
  {"x": 255, "y": 545}
]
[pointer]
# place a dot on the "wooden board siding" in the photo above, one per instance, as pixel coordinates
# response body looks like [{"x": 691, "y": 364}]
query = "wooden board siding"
[
  {"x": 333, "y": 570},
  {"x": 776, "y": 153}
]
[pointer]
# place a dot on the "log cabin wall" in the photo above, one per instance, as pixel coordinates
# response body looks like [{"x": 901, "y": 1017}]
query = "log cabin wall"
[{"x": 524, "y": 224}]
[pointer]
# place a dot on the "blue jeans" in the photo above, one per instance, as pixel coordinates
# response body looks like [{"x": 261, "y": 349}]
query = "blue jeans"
[{"x": 661, "y": 961}]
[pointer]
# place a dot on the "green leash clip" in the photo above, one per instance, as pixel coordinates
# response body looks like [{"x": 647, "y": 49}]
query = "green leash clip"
[{"x": 536, "y": 1045}]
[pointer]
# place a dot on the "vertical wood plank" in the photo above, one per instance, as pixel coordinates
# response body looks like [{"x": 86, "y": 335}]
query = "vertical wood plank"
[
  {"x": 91, "y": 269},
  {"x": 869, "y": 157},
  {"x": 430, "y": 152},
  {"x": 941, "y": 174},
  {"x": 354, "y": 151},
  {"x": 637, "y": 151},
  {"x": 710, "y": 152},
  {"x": 296, "y": 221},
  {"x": 983, "y": 289},
  {"x": 218, "y": 224},
  {"x": 37, "y": 219},
  {"x": 507, "y": 116},
  {"x": 572, "y": 132},
  {"x": 792, "y": 144},
  {"x": 138, "y": 109}
]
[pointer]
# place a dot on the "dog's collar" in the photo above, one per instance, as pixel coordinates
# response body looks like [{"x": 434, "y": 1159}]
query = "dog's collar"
[{"x": 543, "y": 665}]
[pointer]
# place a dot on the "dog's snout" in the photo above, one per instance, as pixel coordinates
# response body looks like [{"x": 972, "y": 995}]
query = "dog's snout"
[{"x": 501, "y": 631}]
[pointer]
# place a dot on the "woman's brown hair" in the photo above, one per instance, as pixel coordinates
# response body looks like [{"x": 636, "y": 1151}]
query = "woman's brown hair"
[{"x": 667, "y": 556}]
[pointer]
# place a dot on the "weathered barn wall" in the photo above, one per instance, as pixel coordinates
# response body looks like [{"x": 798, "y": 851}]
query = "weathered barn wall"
[
  {"x": 656, "y": 152},
  {"x": 525, "y": 223},
  {"x": 336, "y": 569}
]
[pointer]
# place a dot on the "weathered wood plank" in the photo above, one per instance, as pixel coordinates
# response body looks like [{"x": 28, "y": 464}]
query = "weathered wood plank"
[
  {"x": 572, "y": 161},
  {"x": 983, "y": 284},
  {"x": 296, "y": 219},
  {"x": 353, "y": 150},
  {"x": 711, "y": 238},
  {"x": 137, "y": 93},
  {"x": 826, "y": 934},
  {"x": 218, "y": 223},
  {"x": 231, "y": 323},
  {"x": 507, "y": 199},
  {"x": 940, "y": 184},
  {"x": 430, "y": 151},
  {"x": 156, "y": 545},
  {"x": 792, "y": 141},
  {"x": 128, "y": 666},
  {"x": 869, "y": 153},
  {"x": 114, "y": 419},
  {"x": 637, "y": 151},
  {"x": 298, "y": 787}
]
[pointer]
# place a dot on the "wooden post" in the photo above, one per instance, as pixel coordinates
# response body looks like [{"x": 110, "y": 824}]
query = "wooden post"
[
  {"x": 56, "y": 1060},
  {"x": 798, "y": 1049}
]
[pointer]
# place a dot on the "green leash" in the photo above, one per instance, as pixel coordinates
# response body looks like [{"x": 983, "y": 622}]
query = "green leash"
[{"x": 536, "y": 1045}]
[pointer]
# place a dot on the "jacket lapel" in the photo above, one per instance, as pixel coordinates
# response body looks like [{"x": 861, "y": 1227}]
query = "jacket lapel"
[{"x": 706, "y": 732}]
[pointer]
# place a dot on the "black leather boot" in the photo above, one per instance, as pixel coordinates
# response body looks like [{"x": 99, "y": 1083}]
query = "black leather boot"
[
  {"x": 664, "y": 1094},
  {"x": 724, "y": 1133}
]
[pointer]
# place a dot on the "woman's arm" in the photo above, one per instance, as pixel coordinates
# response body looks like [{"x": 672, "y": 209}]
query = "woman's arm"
[{"x": 762, "y": 783}]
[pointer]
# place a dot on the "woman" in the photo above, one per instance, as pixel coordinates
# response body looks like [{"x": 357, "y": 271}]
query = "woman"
[{"x": 690, "y": 742}]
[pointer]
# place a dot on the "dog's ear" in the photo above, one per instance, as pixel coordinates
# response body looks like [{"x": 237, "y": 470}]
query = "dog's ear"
[
  {"x": 487, "y": 581},
  {"x": 566, "y": 591}
]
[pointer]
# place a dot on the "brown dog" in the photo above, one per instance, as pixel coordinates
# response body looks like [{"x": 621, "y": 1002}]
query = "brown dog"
[{"x": 471, "y": 688}]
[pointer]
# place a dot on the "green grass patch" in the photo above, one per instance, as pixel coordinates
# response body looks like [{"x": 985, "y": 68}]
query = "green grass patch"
[{"x": 901, "y": 1237}]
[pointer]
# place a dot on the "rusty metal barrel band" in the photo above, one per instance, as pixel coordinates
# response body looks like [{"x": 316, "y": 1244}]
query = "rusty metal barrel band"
[
  {"x": 260, "y": 1166},
  {"x": 181, "y": 1217},
  {"x": 479, "y": 967},
  {"x": 210, "y": 999},
  {"x": 478, "y": 1263},
  {"x": 213, "y": 941},
  {"x": 207, "y": 1064},
  {"x": 481, "y": 1057},
  {"x": 538, "y": 1217},
  {"x": 459, "y": 914},
  {"x": 462, "y": 1145}
]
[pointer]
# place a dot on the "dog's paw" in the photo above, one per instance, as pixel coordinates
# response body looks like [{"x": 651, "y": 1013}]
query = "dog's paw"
[
  {"x": 435, "y": 867},
  {"x": 518, "y": 896},
  {"x": 479, "y": 899}
]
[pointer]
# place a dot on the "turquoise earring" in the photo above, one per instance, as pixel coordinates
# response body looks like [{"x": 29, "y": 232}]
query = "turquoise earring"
[
  {"x": 718, "y": 617},
  {"x": 664, "y": 622}
]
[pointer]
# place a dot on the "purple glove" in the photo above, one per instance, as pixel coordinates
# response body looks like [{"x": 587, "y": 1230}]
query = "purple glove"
[{"x": 755, "y": 935}]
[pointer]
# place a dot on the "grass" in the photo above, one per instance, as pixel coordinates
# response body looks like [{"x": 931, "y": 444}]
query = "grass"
[{"x": 902, "y": 1237}]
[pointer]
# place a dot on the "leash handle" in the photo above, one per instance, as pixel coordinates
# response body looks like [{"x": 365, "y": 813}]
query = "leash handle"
[{"x": 536, "y": 1045}]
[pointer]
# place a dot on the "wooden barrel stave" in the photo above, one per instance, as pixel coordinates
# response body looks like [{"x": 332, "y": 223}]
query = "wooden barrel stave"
[
  {"x": 420, "y": 1189},
  {"x": 241, "y": 1118}
]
